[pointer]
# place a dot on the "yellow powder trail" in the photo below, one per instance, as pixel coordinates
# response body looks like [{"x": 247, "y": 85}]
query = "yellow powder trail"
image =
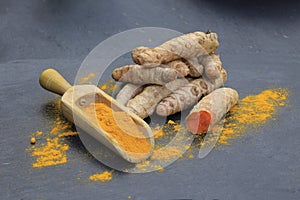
[{"x": 252, "y": 112}]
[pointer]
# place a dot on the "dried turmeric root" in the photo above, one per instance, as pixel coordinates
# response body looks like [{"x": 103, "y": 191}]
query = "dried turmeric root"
[
  {"x": 128, "y": 92},
  {"x": 179, "y": 66},
  {"x": 144, "y": 103},
  {"x": 211, "y": 109},
  {"x": 188, "y": 95},
  {"x": 195, "y": 69},
  {"x": 137, "y": 74},
  {"x": 186, "y": 46},
  {"x": 211, "y": 65}
]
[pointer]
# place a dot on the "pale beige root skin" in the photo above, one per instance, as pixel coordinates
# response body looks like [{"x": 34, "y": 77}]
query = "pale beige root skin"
[
  {"x": 186, "y": 96},
  {"x": 137, "y": 74},
  {"x": 181, "y": 98},
  {"x": 217, "y": 104},
  {"x": 155, "y": 55},
  {"x": 144, "y": 103},
  {"x": 195, "y": 69},
  {"x": 178, "y": 65},
  {"x": 211, "y": 63},
  {"x": 127, "y": 92},
  {"x": 135, "y": 52},
  {"x": 186, "y": 46}
]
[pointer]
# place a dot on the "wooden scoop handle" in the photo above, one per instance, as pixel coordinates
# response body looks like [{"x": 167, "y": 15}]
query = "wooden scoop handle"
[{"x": 51, "y": 80}]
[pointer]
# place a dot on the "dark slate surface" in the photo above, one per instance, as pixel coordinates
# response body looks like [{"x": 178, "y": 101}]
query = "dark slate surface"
[{"x": 259, "y": 47}]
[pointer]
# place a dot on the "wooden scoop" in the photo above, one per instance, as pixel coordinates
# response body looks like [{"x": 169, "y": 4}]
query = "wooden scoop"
[{"x": 76, "y": 98}]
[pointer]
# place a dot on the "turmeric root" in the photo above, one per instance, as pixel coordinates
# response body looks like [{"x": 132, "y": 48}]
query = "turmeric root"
[
  {"x": 195, "y": 69},
  {"x": 211, "y": 63},
  {"x": 188, "y": 95},
  {"x": 144, "y": 103},
  {"x": 186, "y": 46},
  {"x": 128, "y": 92},
  {"x": 137, "y": 74},
  {"x": 178, "y": 65},
  {"x": 135, "y": 52},
  {"x": 211, "y": 109}
]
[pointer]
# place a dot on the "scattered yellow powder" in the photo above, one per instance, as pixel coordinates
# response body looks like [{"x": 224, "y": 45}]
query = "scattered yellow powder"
[
  {"x": 166, "y": 130},
  {"x": 51, "y": 153},
  {"x": 87, "y": 78},
  {"x": 191, "y": 156},
  {"x": 38, "y": 133},
  {"x": 252, "y": 111},
  {"x": 104, "y": 176},
  {"x": 67, "y": 134},
  {"x": 160, "y": 169},
  {"x": 54, "y": 130},
  {"x": 32, "y": 140},
  {"x": 171, "y": 122},
  {"x": 109, "y": 87},
  {"x": 176, "y": 127},
  {"x": 166, "y": 153},
  {"x": 103, "y": 87},
  {"x": 52, "y": 147},
  {"x": 158, "y": 134}
]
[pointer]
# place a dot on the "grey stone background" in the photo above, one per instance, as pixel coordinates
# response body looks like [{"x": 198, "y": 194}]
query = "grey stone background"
[{"x": 259, "y": 46}]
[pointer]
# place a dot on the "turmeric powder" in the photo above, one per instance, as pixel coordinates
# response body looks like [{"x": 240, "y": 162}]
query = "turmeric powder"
[
  {"x": 51, "y": 149},
  {"x": 252, "y": 111},
  {"x": 32, "y": 140},
  {"x": 85, "y": 79},
  {"x": 109, "y": 87},
  {"x": 51, "y": 153},
  {"x": 121, "y": 127},
  {"x": 104, "y": 176}
]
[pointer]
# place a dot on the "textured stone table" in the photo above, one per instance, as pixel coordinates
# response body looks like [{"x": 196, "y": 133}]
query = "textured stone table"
[{"x": 259, "y": 48}]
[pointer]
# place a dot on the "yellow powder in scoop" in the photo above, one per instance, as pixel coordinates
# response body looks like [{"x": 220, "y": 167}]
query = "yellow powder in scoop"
[
  {"x": 120, "y": 126},
  {"x": 104, "y": 176}
]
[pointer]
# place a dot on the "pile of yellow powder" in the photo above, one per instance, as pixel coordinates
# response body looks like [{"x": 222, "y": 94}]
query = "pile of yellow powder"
[
  {"x": 50, "y": 148},
  {"x": 253, "y": 111}
]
